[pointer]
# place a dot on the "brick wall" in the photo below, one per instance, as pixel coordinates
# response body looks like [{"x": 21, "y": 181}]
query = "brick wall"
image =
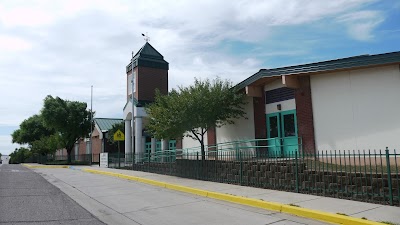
[
  {"x": 96, "y": 145},
  {"x": 305, "y": 123},
  {"x": 82, "y": 146},
  {"x": 260, "y": 126},
  {"x": 150, "y": 79}
]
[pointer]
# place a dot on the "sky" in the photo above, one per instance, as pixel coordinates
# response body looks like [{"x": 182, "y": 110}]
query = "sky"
[{"x": 61, "y": 48}]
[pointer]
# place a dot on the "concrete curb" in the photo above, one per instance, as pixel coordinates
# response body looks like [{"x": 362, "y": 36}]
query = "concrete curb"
[
  {"x": 293, "y": 210},
  {"x": 45, "y": 166}
]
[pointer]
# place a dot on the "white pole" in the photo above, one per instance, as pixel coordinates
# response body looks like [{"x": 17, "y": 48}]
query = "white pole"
[{"x": 133, "y": 117}]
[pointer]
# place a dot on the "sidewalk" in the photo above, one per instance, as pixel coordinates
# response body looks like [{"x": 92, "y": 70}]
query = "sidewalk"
[{"x": 372, "y": 212}]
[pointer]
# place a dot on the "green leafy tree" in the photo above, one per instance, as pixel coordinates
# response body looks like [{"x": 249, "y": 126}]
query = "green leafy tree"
[
  {"x": 70, "y": 119},
  {"x": 46, "y": 145},
  {"x": 31, "y": 130},
  {"x": 111, "y": 132},
  {"x": 193, "y": 110},
  {"x": 20, "y": 155}
]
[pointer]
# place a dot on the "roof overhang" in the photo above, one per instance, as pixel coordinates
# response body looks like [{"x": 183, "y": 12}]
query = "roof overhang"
[{"x": 289, "y": 74}]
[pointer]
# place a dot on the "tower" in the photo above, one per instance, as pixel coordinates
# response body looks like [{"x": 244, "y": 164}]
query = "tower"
[{"x": 146, "y": 72}]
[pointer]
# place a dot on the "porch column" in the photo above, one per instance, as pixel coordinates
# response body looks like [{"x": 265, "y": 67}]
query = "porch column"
[
  {"x": 164, "y": 147},
  {"x": 138, "y": 137},
  {"x": 128, "y": 144}
]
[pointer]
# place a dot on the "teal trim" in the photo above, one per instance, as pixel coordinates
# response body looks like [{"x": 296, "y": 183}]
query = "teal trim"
[{"x": 281, "y": 144}]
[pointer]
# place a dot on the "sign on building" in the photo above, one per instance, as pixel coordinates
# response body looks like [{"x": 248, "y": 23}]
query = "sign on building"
[{"x": 104, "y": 159}]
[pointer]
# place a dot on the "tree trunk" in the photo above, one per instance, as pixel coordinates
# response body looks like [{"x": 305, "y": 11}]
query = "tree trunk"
[
  {"x": 69, "y": 151},
  {"x": 203, "y": 151}
]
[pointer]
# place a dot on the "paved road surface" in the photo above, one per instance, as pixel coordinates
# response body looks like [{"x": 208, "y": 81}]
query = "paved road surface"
[
  {"x": 118, "y": 201},
  {"x": 27, "y": 198}
]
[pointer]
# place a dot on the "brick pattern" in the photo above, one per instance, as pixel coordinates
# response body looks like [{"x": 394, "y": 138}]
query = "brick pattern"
[
  {"x": 260, "y": 126},
  {"x": 150, "y": 79},
  {"x": 305, "y": 123}
]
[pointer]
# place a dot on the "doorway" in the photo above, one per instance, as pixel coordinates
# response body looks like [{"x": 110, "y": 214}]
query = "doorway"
[{"x": 282, "y": 134}]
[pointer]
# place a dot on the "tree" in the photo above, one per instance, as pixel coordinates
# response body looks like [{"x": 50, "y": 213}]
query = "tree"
[
  {"x": 20, "y": 155},
  {"x": 111, "y": 132},
  {"x": 31, "y": 130},
  {"x": 40, "y": 138},
  {"x": 46, "y": 145},
  {"x": 70, "y": 119},
  {"x": 193, "y": 110}
]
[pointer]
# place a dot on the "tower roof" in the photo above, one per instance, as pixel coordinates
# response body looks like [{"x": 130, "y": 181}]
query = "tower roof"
[{"x": 148, "y": 56}]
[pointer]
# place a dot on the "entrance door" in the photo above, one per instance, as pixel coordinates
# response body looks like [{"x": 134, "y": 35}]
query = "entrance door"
[{"x": 282, "y": 133}]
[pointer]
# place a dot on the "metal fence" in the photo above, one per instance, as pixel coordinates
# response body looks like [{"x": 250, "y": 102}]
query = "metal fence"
[
  {"x": 83, "y": 159},
  {"x": 367, "y": 175}
]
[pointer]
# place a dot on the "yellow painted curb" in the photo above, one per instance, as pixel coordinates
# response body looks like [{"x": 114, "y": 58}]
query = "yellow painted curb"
[
  {"x": 46, "y": 166},
  {"x": 298, "y": 211}
]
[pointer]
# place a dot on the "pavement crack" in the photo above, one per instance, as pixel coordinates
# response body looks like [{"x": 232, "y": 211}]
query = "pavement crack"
[
  {"x": 365, "y": 210},
  {"x": 276, "y": 221}
]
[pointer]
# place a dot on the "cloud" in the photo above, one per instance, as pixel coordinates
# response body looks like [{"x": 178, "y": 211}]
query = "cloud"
[
  {"x": 361, "y": 24},
  {"x": 61, "y": 48},
  {"x": 12, "y": 43}
]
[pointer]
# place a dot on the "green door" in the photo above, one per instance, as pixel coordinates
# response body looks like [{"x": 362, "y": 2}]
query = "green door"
[
  {"x": 290, "y": 140},
  {"x": 282, "y": 133},
  {"x": 274, "y": 135}
]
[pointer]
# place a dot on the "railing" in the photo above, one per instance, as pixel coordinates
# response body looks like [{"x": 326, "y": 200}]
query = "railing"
[{"x": 371, "y": 176}]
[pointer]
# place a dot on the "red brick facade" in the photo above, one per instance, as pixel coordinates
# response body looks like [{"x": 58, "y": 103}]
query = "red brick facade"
[
  {"x": 150, "y": 79},
  {"x": 305, "y": 124},
  {"x": 211, "y": 136},
  {"x": 260, "y": 126}
]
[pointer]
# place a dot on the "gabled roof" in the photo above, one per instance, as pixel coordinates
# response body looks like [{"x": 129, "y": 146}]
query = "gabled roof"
[
  {"x": 106, "y": 124},
  {"x": 148, "y": 56},
  {"x": 326, "y": 66}
]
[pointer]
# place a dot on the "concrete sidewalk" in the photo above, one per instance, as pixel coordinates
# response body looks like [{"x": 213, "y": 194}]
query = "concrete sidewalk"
[{"x": 372, "y": 212}]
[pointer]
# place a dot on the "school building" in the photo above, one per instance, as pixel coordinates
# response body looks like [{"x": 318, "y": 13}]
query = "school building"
[{"x": 343, "y": 104}]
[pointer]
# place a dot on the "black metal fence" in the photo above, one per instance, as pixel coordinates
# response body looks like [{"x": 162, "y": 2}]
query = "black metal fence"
[{"x": 368, "y": 175}]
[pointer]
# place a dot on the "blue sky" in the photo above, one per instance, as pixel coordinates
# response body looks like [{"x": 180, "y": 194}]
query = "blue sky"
[{"x": 61, "y": 48}]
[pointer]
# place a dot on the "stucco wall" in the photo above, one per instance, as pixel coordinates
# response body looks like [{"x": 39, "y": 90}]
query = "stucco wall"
[
  {"x": 188, "y": 142},
  {"x": 357, "y": 109},
  {"x": 243, "y": 129}
]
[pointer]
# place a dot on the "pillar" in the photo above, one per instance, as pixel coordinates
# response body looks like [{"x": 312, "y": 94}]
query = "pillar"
[
  {"x": 138, "y": 137},
  {"x": 128, "y": 144},
  {"x": 164, "y": 147}
]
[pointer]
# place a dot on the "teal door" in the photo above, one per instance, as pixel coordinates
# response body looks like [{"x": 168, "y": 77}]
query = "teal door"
[
  {"x": 274, "y": 135},
  {"x": 282, "y": 133}
]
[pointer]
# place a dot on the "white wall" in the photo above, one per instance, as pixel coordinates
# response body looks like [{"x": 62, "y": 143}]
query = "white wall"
[
  {"x": 188, "y": 142},
  {"x": 357, "y": 110},
  {"x": 243, "y": 129}
]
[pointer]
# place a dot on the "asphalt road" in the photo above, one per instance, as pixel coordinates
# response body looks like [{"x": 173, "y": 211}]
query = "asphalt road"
[{"x": 27, "y": 198}]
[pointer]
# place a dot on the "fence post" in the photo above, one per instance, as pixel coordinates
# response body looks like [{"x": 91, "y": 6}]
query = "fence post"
[
  {"x": 297, "y": 173},
  {"x": 241, "y": 168},
  {"x": 389, "y": 176},
  {"x": 197, "y": 165},
  {"x": 148, "y": 168}
]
